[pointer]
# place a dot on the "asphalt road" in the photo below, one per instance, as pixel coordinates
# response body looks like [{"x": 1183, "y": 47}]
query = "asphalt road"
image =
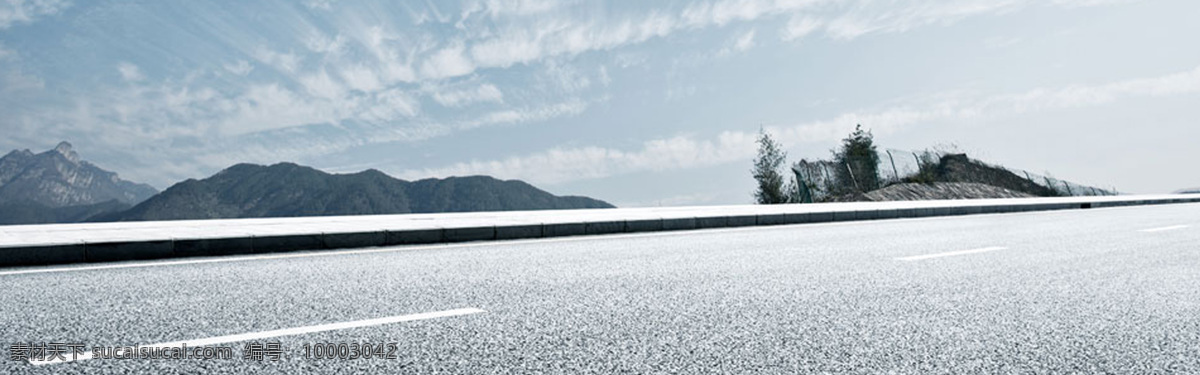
[{"x": 1079, "y": 291}]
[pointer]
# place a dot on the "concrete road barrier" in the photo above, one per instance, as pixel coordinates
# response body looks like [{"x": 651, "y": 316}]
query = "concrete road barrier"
[{"x": 24, "y": 245}]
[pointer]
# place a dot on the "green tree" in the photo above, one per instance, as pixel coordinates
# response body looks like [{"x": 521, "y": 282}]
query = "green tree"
[
  {"x": 857, "y": 163},
  {"x": 766, "y": 171}
]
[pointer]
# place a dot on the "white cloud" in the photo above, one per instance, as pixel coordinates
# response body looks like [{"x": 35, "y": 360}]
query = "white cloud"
[
  {"x": 519, "y": 47},
  {"x": 564, "y": 37},
  {"x": 569, "y": 107},
  {"x": 694, "y": 199},
  {"x": 319, "y": 43},
  {"x": 26, "y": 11},
  {"x": 604, "y": 77},
  {"x": 1186, "y": 82},
  {"x": 485, "y": 93},
  {"x": 12, "y": 78},
  {"x": 800, "y": 26},
  {"x": 321, "y": 85},
  {"x": 741, "y": 43},
  {"x": 285, "y": 62},
  {"x": 721, "y": 12},
  {"x": 562, "y": 164},
  {"x": 744, "y": 42},
  {"x": 147, "y": 109},
  {"x": 680, "y": 92},
  {"x": 447, "y": 62},
  {"x": 1088, "y": 3},
  {"x": 561, "y": 33},
  {"x": 241, "y": 67},
  {"x": 362, "y": 78},
  {"x": 130, "y": 72},
  {"x": 628, "y": 60},
  {"x": 862, "y": 20},
  {"x": 266, "y": 107},
  {"x": 15, "y": 80},
  {"x": 389, "y": 106},
  {"x": 393, "y": 67},
  {"x": 507, "y": 8},
  {"x": 365, "y": 71},
  {"x": 1001, "y": 42},
  {"x": 567, "y": 164},
  {"x": 319, "y": 4},
  {"x": 560, "y": 77}
]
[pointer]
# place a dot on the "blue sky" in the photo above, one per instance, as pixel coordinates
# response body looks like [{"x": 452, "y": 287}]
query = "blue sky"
[{"x": 637, "y": 103}]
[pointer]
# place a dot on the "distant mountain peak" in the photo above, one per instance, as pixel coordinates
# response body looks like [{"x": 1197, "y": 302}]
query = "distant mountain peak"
[
  {"x": 19, "y": 153},
  {"x": 58, "y": 178},
  {"x": 64, "y": 148}
]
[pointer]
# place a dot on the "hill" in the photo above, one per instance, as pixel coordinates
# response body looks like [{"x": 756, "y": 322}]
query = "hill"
[
  {"x": 488, "y": 194},
  {"x": 961, "y": 169},
  {"x": 33, "y": 213},
  {"x": 288, "y": 190},
  {"x": 941, "y": 190}
]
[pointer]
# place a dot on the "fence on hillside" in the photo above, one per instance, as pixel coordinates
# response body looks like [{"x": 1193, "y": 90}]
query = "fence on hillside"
[{"x": 822, "y": 177}]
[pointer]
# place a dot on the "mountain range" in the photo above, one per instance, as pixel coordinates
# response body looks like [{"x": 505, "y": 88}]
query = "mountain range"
[
  {"x": 57, "y": 187},
  {"x": 286, "y": 189}
]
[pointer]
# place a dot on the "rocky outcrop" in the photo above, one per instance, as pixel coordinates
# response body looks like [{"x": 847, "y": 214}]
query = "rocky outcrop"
[
  {"x": 941, "y": 190},
  {"x": 59, "y": 178}
]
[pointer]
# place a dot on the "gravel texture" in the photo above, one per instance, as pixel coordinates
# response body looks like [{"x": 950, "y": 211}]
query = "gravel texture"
[{"x": 1080, "y": 291}]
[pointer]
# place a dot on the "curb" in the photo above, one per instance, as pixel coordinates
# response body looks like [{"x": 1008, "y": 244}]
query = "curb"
[{"x": 515, "y": 225}]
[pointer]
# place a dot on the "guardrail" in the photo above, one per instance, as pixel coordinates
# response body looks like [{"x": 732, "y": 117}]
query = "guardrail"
[{"x": 22, "y": 245}]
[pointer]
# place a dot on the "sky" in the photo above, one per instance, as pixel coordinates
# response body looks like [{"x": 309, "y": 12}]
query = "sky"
[{"x": 639, "y": 103}]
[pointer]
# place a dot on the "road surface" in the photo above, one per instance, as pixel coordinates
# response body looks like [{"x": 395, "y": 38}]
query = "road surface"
[{"x": 1088, "y": 291}]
